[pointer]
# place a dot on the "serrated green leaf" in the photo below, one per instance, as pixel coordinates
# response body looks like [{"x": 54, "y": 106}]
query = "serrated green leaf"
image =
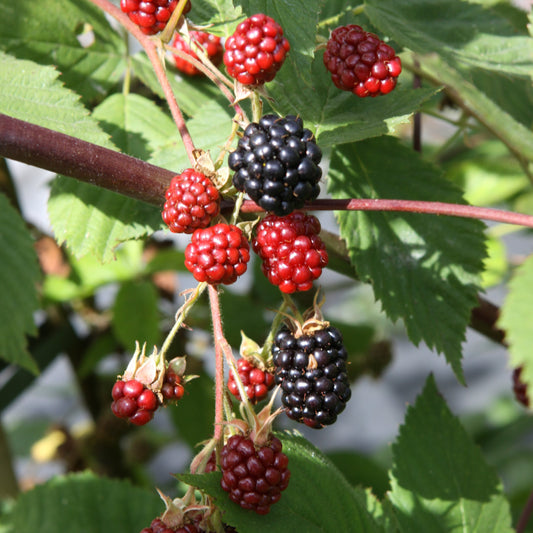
[
  {"x": 86, "y": 504},
  {"x": 337, "y": 116},
  {"x": 135, "y": 124},
  {"x": 299, "y": 19},
  {"x": 459, "y": 31},
  {"x": 51, "y": 32},
  {"x": 424, "y": 269},
  {"x": 496, "y": 265},
  {"x": 440, "y": 480},
  {"x": 135, "y": 315},
  {"x": 220, "y": 15},
  {"x": 318, "y": 498},
  {"x": 515, "y": 319},
  {"x": 19, "y": 274}
]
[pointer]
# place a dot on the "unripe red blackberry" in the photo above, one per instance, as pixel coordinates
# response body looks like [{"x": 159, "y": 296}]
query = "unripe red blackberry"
[
  {"x": 520, "y": 388},
  {"x": 151, "y": 15},
  {"x": 257, "y": 383},
  {"x": 311, "y": 369},
  {"x": 192, "y": 201},
  {"x": 254, "y": 475},
  {"x": 277, "y": 164},
  {"x": 133, "y": 401},
  {"x": 172, "y": 388},
  {"x": 158, "y": 526},
  {"x": 292, "y": 252},
  {"x": 218, "y": 254},
  {"x": 256, "y": 50},
  {"x": 211, "y": 44},
  {"x": 360, "y": 62}
]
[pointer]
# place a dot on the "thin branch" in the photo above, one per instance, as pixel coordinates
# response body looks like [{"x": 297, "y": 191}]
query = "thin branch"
[
  {"x": 151, "y": 50},
  {"x": 526, "y": 515}
]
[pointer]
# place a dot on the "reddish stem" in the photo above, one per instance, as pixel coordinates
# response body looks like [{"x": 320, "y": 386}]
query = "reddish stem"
[
  {"x": 152, "y": 53},
  {"x": 219, "y": 339},
  {"x": 525, "y": 516}
]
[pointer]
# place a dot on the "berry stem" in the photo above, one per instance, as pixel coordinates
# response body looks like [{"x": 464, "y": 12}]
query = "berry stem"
[
  {"x": 266, "y": 355},
  {"x": 237, "y": 209},
  {"x": 181, "y": 314},
  {"x": 526, "y": 514},
  {"x": 352, "y": 12},
  {"x": 167, "y": 33},
  {"x": 152, "y": 52},
  {"x": 257, "y": 106}
]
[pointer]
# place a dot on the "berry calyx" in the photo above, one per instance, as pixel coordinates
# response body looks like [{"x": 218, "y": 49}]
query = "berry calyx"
[
  {"x": 257, "y": 383},
  {"x": 292, "y": 252},
  {"x": 192, "y": 201},
  {"x": 310, "y": 367},
  {"x": 211, "y": 44},
  {"x": 133, "y": 401},
  {"x": 361, "y": 62},
  {"x": 254, "y": 475},
  {"x": 256, "y": 50},
  {"x": 520, "y": 388},
  {"x": 277, "y": 164},
  {"x": 151, "y": 15},
  {"x": 218, "y": 254}
]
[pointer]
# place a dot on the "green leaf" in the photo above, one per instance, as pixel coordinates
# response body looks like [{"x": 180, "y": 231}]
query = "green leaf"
[
  {"x": 85, "y": 503},
  {"x": 318, "y": 498},
  {"x": 440, "y": 480},
  {"x": 424, "y": 269},
  {"x": 515, "y": 320},
  {"x": 338, "y": 116},
  {"x": 52, "y": 32},
  {"x": 220, "y": 15},
  {"x": 299, "y": 20},
  {"x": 135, "y": 124},
  {"x": 19, "y": 274},
  {"x": 135, "y": 315},
  {"x": 462, "y": 33}
]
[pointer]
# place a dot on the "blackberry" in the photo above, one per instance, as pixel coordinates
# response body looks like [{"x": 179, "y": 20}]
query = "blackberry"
[
  {"x": 277, "y": 164},
  {"x": 311, "y": 369}
]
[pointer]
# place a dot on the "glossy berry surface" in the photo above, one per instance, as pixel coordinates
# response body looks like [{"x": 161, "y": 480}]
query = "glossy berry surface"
[
  {"x": 218, "y": 254},
  {"x": 257, "y": 383},
  {"x": 520, "y": 388},
  {"x": 292, "y": 253},
  {"x": 158, "y": 526},
  {"x": 361, "y": 62},
  {"x": 209, "y": 42},
  {"x": 191, "y": 202},
  {"x": 277, "y": 164},
  {"x": 311, "y": 370},
  {"x": 133, "y": 401},
  {"x": 173, "y": 386},
  {"x": 256, "y": 50},
  {"x": 254, "y": 476},
  {"x": 151, "y": 15}
]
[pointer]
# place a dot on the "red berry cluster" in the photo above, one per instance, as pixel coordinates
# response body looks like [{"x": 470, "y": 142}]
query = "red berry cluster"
[
  {"x": 133, "y": 401},
  {"x": 151, "y": 15},
  {"x": 257, "y": 383},
  {"x": 254, "y": 477},
  {"x": 218, "y": 254},
  {"x": 211, "y": 43},
  {"x": 192, "y": 201},
  {"x": 172, "y": 388},
  {"x": 360, "y": 62},
  {"x": 256, "y": 51},
  {"x": 292, "y": 252},
  {"x": 158, "y": 526}
]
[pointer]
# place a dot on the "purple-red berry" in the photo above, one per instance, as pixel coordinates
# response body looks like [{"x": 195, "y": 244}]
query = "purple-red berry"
[
  {"x": 209, "y": 42},
  {"x": 133, "y": 401}
]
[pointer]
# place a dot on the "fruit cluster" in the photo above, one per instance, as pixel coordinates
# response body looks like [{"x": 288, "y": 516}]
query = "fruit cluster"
[
  {"x": 209, "y": 42},
  {"x": 151, "y": 15},
  {"x": 257, "y": 383},
  {"x": 361, "y": 62},
  {"x": 256, "y": 50},
  {"x": 311, "y": 370},
  {"x": 254, "y": 475},
  {"x": 133, "y": 401},
  {"x": 192, "y": 201},
  {"x": 292, "y": 252},
  {"x": 276, "y": 164}
]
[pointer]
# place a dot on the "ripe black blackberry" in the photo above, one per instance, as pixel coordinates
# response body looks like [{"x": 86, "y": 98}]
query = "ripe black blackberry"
[
  {"x": 310, "y": 366},
  {"x": 276, "y": 164}
]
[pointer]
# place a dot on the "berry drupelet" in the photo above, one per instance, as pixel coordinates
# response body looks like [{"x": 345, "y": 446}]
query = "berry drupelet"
[
  {"x": 211, "y": 44},
  {"x": 151, "y": 15},
  {"x": 277, "y": 164}
]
